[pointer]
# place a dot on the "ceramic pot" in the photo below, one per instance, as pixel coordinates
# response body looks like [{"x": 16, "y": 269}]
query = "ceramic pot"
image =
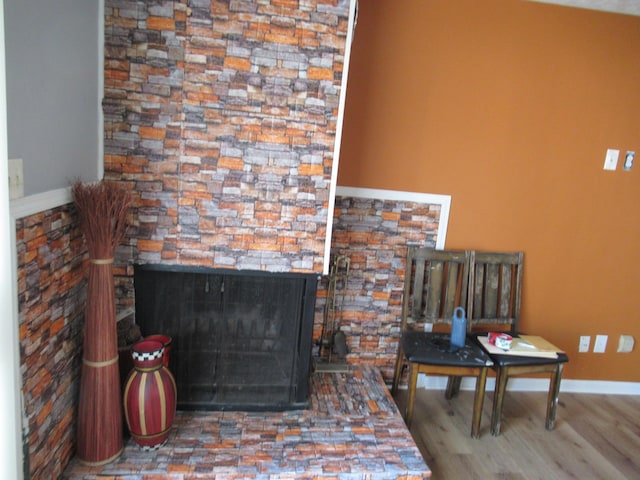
[{"x": 149, "y": 396}]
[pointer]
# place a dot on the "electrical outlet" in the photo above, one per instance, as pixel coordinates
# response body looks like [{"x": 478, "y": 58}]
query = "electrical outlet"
[
  {"x": 611, "y": 160},
  {"x": 628, "y": 160},
  {"x": 600, "y": 345},
  {"x": 585, "y": 341},
  {"x": 625, "y": 344}
]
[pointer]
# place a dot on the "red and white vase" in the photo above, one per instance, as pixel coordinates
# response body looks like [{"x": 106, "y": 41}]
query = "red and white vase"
[
  {"x": 149, "y": 396},
  {"x": 166, "y": 341}
]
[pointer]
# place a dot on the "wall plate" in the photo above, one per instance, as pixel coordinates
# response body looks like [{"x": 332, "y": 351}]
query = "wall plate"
[
  {"x": 600, "y": 345},
  {"x": 611, "y": 159},
  {"x": 16, "y": 178}
]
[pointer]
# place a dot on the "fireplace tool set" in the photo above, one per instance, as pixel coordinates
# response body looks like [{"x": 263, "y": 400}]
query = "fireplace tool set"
[{"x": 333, "y": 343}]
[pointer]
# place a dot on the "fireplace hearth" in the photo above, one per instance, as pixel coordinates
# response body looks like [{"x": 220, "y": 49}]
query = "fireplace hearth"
[{"x": 241, "y": 340}]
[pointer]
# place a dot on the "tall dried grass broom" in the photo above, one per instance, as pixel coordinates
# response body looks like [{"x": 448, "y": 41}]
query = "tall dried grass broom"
[{"x": 102, "y": 208}]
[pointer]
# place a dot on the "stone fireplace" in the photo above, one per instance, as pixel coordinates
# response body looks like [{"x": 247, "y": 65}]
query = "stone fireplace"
[{"x": 221, "y": 118}]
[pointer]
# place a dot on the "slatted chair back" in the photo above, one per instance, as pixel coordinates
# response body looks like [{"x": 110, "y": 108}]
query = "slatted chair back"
[
  {"x": 495, "y": 290},
  {"x": 436, "y": 282}
]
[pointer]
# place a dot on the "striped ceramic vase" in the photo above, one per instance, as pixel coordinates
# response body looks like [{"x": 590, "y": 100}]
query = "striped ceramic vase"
[{"x": 149, "y": 396}]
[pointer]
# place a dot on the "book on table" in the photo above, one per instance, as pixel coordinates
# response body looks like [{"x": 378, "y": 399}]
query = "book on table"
[{"x": 524, "y": 346}]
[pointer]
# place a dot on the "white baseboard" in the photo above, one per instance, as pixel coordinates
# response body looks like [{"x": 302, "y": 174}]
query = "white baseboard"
[{"x": 540, "y": 385}]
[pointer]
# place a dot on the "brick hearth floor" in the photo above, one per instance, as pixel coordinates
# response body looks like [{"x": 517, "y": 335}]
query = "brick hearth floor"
[{"x": 352, "y": 430}]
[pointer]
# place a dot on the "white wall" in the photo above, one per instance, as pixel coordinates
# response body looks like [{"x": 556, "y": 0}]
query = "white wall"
[{"x": 53, "y": 66}]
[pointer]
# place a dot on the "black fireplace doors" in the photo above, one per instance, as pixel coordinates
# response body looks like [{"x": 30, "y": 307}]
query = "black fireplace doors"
[{"x": 241, "y": 340}]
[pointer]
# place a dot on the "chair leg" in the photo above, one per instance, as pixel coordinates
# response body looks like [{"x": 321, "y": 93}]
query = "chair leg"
[
  {"x": 502, "y": 376},
  {"x": 413, "y": 382},
  {"x": 478, "y": 402},
  {"x": 552, "y": 399},
  {"x": 398, "y": 371},
  {"x": 453, "y": 386}
]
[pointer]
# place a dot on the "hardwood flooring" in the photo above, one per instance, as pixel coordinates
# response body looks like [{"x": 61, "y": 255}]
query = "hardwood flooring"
[{"x": 596, "y": 437}]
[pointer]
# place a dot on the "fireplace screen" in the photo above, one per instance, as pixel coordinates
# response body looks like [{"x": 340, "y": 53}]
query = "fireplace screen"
[{"x": 241, "y": 340}]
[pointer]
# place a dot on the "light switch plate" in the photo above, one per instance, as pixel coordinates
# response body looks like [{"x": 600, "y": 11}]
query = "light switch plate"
[
  {"x": 611, "y": 159},
  {"x": 16, "y": 178},
  {"x": 585, "y": 341},
  {"x": 600, "y": 345}
]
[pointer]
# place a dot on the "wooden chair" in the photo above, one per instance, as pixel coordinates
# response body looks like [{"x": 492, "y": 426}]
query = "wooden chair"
[
  {"x": 495, "y": 292},
  {"x": 436, "y": 281}
]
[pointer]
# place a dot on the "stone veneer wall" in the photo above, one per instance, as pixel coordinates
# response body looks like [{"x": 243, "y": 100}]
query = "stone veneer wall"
[
  {"x": 375, "y": 234},
  {"x": 220, "y": 116},
  {"x": 51, "y": 288},
  {"x": 52, "y": 263}
]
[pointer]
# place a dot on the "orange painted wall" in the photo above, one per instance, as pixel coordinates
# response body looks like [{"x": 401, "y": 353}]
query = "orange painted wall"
[{"x": 509, "y": 106}]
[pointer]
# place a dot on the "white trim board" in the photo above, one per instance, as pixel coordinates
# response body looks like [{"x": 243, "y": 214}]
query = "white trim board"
[
  {"x": 430, "y": 198},
  {"x": 40, "y": 202},
  {"x": 11, "y": 439},
  {"x": 353, "y": 14},
  {"x": 539, "y": 385}
]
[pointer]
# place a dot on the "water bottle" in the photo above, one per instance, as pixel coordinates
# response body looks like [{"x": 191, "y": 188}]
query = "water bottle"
[{"x": 458, "y": 328}]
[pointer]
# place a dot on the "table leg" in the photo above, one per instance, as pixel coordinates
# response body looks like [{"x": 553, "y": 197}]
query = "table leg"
[
  {"x": 478, "y": 402},
  {"x": 554, "y": 392},
  {"x": 413, "y": 382},
  {"x": 502, "y": 376}
]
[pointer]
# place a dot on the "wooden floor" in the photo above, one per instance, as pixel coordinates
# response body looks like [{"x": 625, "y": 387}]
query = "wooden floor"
[{"x": 596, "y": 437}]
